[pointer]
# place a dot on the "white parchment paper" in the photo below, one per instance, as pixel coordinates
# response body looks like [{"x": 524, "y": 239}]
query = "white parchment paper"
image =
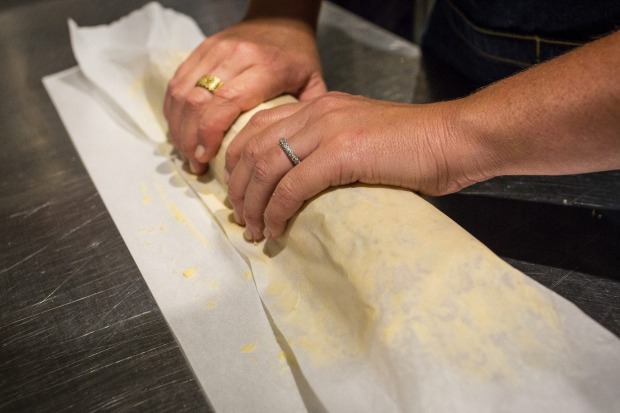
[
  {"x": 441, "y": 326},
  {"x": 203, "y": 287}
]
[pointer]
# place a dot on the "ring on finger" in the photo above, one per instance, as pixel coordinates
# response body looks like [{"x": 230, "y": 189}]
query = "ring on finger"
[
  {"x": 288, "y": 151},
  {"x": 210, "y": 82}
]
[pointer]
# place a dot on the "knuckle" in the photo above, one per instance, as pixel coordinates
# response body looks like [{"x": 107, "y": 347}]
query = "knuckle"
[
  {"x": 235, "y": 197},
  {"x": 196, "y": 99},
  {"x": 211, "y": 128},
  {"x": 328, "y": 103},
  {"x": 273, "y": 217},
  {"x": 230, "y": 158},
  {"x": 330, "y": 98},
  {"x": 187, "y": 147},
  {"x": 217, "y": 119},
  {"x": 252, "y": 216},
  {"x": 263, "y": 172},
  {"x": 250, "y": 153},
  {"x": 175, "y": 92},
  {"x": 225, "y": 44},
  {"x": 207, "y": 125},
  {"x": 270, "y": 219},
  {"x": 230, "y": 91},
  {"x": 285, "y": 196},
  {"x": 173, "y": 83},
  {"x": 227, "y": 92},
  {"x": 259, "y": 120},
  {"x": 246, "y": 48}
]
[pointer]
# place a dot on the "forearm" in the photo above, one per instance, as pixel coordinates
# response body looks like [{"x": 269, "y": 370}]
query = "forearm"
[
  {"x": 560, "y": 117},
  {"x": 306, "y": 11}
]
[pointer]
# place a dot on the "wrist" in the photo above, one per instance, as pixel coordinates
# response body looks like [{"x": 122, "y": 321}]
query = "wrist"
[
  {"x": 470, "y": 153},
  {"x": 305, "y": 12}
]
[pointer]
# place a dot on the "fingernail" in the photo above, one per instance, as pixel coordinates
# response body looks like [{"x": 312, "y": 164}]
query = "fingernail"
[
  {"x": 193, "y": 167},
  {"x": 267, "y": 233},
  {"x": 200, "y": 151},
  {"x": 226, "y": 176},
  {"x": 247, "y": 234},
  {"x": 237, "y": 218}
]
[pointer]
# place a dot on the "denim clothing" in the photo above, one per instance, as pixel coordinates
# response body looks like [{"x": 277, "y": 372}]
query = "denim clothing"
[{"x": 488, "y": 40}]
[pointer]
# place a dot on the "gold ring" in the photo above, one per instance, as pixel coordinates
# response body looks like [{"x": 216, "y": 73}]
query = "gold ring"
[{"x": 210, "y": 82}]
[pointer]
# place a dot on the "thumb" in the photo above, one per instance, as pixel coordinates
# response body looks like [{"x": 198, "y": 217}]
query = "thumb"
[{"x": 314, "y": 88}]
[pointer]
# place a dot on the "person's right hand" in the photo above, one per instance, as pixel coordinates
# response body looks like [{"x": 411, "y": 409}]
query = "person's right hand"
[
  {"x": 341, "y": 139},
  {"x": 257, "y": 59}
]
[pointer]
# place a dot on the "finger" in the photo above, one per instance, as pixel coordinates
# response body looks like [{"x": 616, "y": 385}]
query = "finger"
[
  {"x": 206, "y": 114},
  {"x": 176, "y": 77},
  {"x": 313, "y": 175},
  {"x": 175, "y": 85},
  {"x": 242, "y": 92},
  {"x": 186, "y": 141},
  {"x": 241, "y": 175},
  {"x": 257, "y": 197},
  {"x": 266, "y": 174},
  {"x": 204, "y": 60},
  {"x": 255, "y": 126},
  {"x": 179, "y": 92},
  {"x": 216, "y": 119},
  {"x": 314, "y": 88},
  {"x": 254, "y": 146},
  {"x": 268, "y": 170}
]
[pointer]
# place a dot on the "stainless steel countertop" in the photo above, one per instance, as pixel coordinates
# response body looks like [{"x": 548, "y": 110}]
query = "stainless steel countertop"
[{"x": 79, "y": 329}]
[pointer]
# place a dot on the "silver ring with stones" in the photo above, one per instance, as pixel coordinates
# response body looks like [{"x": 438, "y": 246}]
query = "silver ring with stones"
[{"x": 289, "y": 152}]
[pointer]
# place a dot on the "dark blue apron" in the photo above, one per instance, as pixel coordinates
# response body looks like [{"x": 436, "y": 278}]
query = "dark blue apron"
[{"x": 487, "y": 40}]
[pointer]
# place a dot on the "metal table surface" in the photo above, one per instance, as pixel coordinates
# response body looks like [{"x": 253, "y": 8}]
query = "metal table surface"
[{"x": 79, "y": 329}]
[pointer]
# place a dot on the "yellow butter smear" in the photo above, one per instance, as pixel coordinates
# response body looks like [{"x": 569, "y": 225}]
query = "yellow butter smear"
[
  {"x": 346, "y": 292},
  {"x": 146, "y": 197},
  {"x": 182, "y": 219},
  {"x": 248, "y": 348}
]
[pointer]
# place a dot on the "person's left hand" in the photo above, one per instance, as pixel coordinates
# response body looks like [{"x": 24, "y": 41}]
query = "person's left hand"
[{"x": 340, "y": 139}]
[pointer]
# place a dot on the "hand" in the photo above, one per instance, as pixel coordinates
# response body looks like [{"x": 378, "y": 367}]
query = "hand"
[
  {"x": 559, "y": 117},
  {"x": 257, "y": 59},
  {"x": 340, "y": 139}
]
